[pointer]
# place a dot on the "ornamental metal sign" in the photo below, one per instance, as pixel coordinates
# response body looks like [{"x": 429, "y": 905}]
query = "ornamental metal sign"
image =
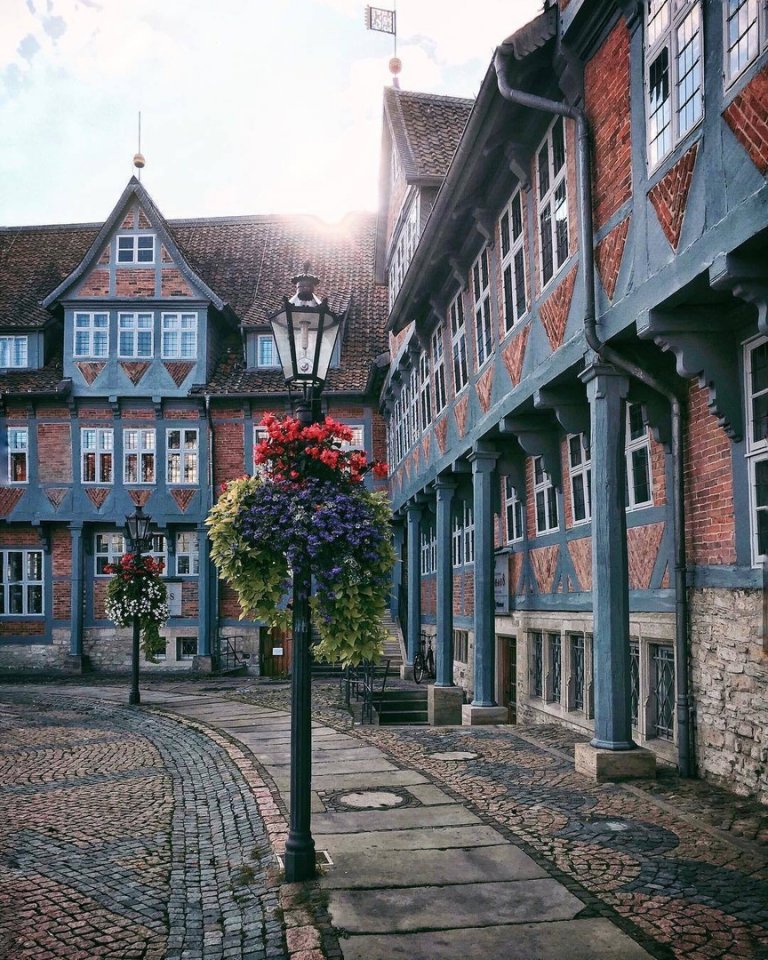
[
  {"x": 379, "y": 19},
  {"x": 501, "y": 584}
]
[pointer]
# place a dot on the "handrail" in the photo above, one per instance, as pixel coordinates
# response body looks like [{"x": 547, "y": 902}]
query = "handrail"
[{"x": 360, "y": 680}]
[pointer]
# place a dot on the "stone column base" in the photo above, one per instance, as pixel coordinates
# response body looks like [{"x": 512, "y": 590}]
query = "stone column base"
[
  {"x": 444, "y": 706},
  {"x": 600, "y": 765},
  {"x": 202, "y": 664},
  {"x": 76, "y": 663},
  {"x": 406, "y": 671},
  {"x": 472, "y": 716}
]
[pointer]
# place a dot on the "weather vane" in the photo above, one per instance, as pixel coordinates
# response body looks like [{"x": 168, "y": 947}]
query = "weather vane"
[
  {"x": 138, "y": 158},
  {"x": 385, "y": 21}
]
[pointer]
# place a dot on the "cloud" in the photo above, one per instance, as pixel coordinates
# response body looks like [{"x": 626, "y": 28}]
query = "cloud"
[{"x": 28, "y": 47}]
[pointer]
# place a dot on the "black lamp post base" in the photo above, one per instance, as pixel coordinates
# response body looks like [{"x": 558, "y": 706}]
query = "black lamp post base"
[
  {"x": 300, "y": 859},
  {"x": 134, "y": 698}
]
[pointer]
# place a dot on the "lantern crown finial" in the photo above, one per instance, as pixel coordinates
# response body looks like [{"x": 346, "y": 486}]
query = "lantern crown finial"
[{"x": 305, "y": 285}]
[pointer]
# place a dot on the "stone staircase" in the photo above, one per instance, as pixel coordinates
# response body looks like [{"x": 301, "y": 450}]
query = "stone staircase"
[{"x": 402, "y": 706}]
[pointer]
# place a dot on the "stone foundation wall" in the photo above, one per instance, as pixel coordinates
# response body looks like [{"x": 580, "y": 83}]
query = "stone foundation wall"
[
  {"x": 38, "y": 657},
  {"x": 729, "y": 677}
]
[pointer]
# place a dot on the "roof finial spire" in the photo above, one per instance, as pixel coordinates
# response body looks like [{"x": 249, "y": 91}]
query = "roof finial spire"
[
  {"x": 385, "y": 21},
  {"x": 138, "y": 158}
]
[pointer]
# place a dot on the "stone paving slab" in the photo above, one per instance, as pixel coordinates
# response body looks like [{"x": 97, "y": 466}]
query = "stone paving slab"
[
  {"x": 350, "y": 821},
  {"x": 424, "y": 838},
  {"x": 571, "y": 940},
  {"x": 278, "y": 758},
  {"x": 430, "y": 868},
  {"x": 360, "y": 781},
  {"x": 428, "y": 795},
  {"x": 452, "y": 907}
]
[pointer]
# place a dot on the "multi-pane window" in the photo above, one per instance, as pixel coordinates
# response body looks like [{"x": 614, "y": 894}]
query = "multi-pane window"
[
  {"x": 553, "y": 201},
  {"x": 425, "y": 555},
  {"x": 756, "y": 371},
  {"x": 578, "y": 671},
  {"x": 358, "y": 437},
  {"x": 96, "y": 454},
  {"x": 638, "y": 451},
  {"x": 513, "y": 260},
  {"x": 555, "y": 657},
  {"x": 135, "y": 334},
  {"x": 743, "y": 28},
  {"x": 179, "y": 336},
  {"x": 139, "y": 456},
  {"x": 14, "y": 352},
  {"x": 537, "y": 663},
  {"x": 187, "y": 553},
  {"x": 513, "y": 507},
  {"x": 266, "y": 353},
  {"x": 91, "y": 335},
  {"x": 461, "y": 646},
  {"x": 412, "y": 413},
  {"x": 662, "y": 691},
  {"x": 404, "y": 250},
  {"x": 21, "y": 582},
  {"x": 458, "y": 345},
  {"x": 186, "y": 648},
  {"x": 674, "y": 73},
  {"x": 18, "y": 449},
  {"x": 136, "y": 248},
  {"x": 482, "y": 305},
  {"x": 581, "y": 478},
  {"x": 457, "y": 539},
  {"x": 438, "y": 368},
  {"x": 259, "y": 434},
  {"x": 182, "y": 456},
  {"x": 109, "y": 547},
  {"x": 425, "y": 396},
  {"x": 545, "y": 497},
  {"x": 469, "y": 534}
]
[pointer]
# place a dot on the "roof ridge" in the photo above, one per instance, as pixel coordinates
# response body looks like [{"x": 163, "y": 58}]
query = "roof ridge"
[{"x": 435, "y": 96}]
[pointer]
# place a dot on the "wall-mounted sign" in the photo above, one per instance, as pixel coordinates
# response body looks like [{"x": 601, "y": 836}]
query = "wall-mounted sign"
[
  {"x": 277, "y": 651},
  {"x": 501, "y": 584},
  {"x": 174, "y": 597}
]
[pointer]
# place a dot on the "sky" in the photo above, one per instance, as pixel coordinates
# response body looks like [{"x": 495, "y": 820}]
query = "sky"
[{"x": 248, "y": 106}]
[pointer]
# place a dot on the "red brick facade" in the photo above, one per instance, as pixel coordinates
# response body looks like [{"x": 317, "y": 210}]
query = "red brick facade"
[
  {"x": 670, "y": 196},
  {"x": 746, "y": 116},
  {"x": 54, "y": 452},
  {"x": 710, "y": 521},
  {"x": 606, "y": 94}
]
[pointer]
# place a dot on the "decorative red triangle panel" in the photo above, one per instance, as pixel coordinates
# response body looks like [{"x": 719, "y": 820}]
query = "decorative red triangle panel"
[
  {"x": 179, "y": 370},
  {"x": 670, "y": 196},
  {"x": 134, "y": 369},
  {"x": 460, "y": 413},
  {"x": 9, "y": 497},
  {"x": 441, "y": 433},
  {"x": 90, "y": 370},
  {"x": 140, "y": 497},
  {"x": 609, "y": 254},
  {"x": 183, "y": 497},
  {"x": 97, "y": 495},
  {"x": 554, "y": 311},
  {"x": 746, "y": 117},
  {"x": 513, "y": 355},
  {"x": 581, "y": 555},
  {"x": 485, "y": 389},
  {"x": 56, "y": 495}
]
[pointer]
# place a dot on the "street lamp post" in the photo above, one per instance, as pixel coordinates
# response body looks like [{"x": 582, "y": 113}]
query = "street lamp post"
[
  {"x": 137, "y": 531},
  {"x": 305, "y": 332}
]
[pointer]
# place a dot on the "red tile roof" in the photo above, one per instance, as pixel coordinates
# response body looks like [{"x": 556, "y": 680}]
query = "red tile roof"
[{"x": 427, "y": 129}]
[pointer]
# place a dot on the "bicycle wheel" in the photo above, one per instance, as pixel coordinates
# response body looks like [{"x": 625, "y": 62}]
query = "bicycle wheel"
[{"x": 419, "y": 667}]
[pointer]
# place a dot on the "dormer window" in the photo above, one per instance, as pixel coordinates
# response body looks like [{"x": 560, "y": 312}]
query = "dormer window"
[
  {"x": 136, "y": 248},
  {"x": 266, "y": 354},
  {"x": 13, "y": 352}
]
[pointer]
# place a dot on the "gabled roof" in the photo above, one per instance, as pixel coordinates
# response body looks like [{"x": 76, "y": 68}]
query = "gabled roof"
[
  {"x": 112, "y": 223},
  {"x": 426, "y": 129},
  {"x": 46, "y": 382}
]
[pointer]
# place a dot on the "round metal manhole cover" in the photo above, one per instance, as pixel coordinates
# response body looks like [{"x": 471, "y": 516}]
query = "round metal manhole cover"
[
  {"x": 454, "y": 755},
  {"x": 370, "y": 800}
]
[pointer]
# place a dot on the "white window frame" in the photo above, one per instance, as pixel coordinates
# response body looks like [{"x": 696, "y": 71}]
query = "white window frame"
[
  {"x": 103, "y": 452},
  {"x": 552, "y": 194},
  {"x": 631, "y": 447},
  {"x": 513, "y": 506},
  {"x": 18, "y": 450},
  {"x": 438, "y": 368},
  {"x": 187, "y": 553},
  {"x": 425, "y": 555},
  {"x": 404, "y": 250},
  {"x": 133, "y": 329},
  {"x": 481, "y": 291},
  {"x": 749, "y": 18},
  {"x": 457, "y": 539},
  {"x": 177, "y": 325},
  {"x": 117, "y": 545},
  {"x": 264, "y": 339},
  {"x": 32, "y": 586},
  {"x": 580, "y": 471},
  {"x": 461, "y": 646},
  {"x": 129, "y": 243},
  {"x": 469, "y": 533},
  {"x": 663, "y": 29},
  {"x": 187, "y": 457},
  {"x": 144, "y": 449},
  {"x": 756, "y": 447},
  {"x": 85, "y": 324},
  {"x": 458, "y": 344},
  {"x": 425, "y": 396},
  {"x": 412, "y": 418},
  {"x": 544, "y": 488},
  {"x": 513, "y": 260},
  {"x": 14, "y": 352}
]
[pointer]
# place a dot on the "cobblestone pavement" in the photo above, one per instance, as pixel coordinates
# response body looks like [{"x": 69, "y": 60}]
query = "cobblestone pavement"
[
  {"x": 683, "y": 860},
  {"x": 126, "y": 835}
]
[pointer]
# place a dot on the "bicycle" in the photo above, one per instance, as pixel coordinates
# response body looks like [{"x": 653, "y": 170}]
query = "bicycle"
[{"x": 424, "y": 661}]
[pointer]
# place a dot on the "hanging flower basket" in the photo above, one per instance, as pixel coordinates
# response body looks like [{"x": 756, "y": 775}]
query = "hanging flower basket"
[
  {"x": 136, "y": 589},
  {"x": 309, "y": 505}
]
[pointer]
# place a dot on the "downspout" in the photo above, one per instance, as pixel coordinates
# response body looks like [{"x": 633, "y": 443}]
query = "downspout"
[{"x": 609, "y": 355}]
